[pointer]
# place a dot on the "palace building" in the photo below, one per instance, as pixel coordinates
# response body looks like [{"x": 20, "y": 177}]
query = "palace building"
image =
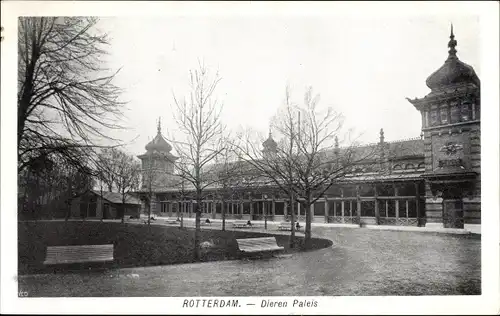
[{"x": 429, "y": 181}]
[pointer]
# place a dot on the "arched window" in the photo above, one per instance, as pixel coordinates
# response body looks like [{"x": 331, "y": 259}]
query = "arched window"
[
  {"x": 434, "y": 117},
  {"x": 465, "y": 111},
  {"x": 397, "y": 167},
  {"x": 444, "y": 115},
  {"x": 421, "y": 165},
  {"x": 455, "y": 113},
  {"x": 410, "y": 166}
]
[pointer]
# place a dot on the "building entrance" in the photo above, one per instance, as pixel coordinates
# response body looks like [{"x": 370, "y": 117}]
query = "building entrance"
[{"x": 453, "y": 213}]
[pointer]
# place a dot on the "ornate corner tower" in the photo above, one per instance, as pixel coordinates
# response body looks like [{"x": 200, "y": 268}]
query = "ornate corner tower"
[
  {"x": 157, "y": 162},
  {"x": 451, "y": 129}
]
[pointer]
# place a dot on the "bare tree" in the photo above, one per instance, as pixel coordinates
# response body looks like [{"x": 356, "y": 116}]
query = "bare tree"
[
  {"x": 199, "y": 120},
  {"x": 64, "y": 102},
  {"x": 230, "y": 175},
  {"x": 48, "y": 182},
  {"x": 184, "y": 195},
  {"x": 307, "y": 160},
  {"x": 127, "y": 177},
  {"x": 149, "y": 179},
  {"x": 108, "y": 167}
]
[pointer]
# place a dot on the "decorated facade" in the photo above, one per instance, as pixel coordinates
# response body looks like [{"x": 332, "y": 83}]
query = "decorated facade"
[{"x": 430, "y": 181}]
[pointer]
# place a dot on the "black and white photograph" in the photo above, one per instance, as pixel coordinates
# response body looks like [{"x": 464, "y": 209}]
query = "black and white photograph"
[{"x": 250, "y": 157}]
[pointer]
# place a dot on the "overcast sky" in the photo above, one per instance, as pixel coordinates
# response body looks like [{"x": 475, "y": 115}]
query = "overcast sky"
[{"x": 363, "y": 67}]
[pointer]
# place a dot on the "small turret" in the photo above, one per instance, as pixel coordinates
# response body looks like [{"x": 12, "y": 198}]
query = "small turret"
[
  {"x": 270, "y": 146},
  {"x": 382, "y": 136}
]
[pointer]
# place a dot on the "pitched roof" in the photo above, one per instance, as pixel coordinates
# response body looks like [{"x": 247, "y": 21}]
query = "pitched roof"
[
  {"x": 116, "y": 198},
  {"x": 407, "y": 147}
]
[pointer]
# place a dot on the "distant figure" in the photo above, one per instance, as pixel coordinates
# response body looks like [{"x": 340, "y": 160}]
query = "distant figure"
[
  {"x": 297, "y": 225},
  {"x": 207, "y": 221},
  {"x": 249, "y": 223}
]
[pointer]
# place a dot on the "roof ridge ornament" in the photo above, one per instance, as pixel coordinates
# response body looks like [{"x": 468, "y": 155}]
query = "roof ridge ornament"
[
  {"x": 159, "y": 125},
  {"x": 452, "y": 53}
]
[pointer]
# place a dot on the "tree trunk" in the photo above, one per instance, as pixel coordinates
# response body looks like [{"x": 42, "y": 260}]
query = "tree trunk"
[
  {"x": 70, "y": 200},
  {"x": 102, "y": 206},
  {"x": 292, "y": 220},
  {"x": 197, "y": 254},
  {"x": 307, "y": 238},
  {"x": 39, "y": 192},
  {"x": 26, "y": 95},
  {"x": 149, "y": 212},
  {"x": 23, "y": 205},
  {"x": 123, "y": 208},
  {"x": 223, "y": 211},
  {"x": 182, "y": 219},
  {"x": 87, "y": 210}
]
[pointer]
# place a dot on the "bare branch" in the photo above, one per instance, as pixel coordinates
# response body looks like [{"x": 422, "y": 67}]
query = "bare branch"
[{"x": 63, "y": 97}]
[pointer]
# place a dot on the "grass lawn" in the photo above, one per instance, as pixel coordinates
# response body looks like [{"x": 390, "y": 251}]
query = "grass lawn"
[
  {"x": 134, "y": 245},
  {"x": 360, "y": 262}
]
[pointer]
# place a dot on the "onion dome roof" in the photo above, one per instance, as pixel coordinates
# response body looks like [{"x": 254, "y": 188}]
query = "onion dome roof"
[
  {"x": 270, "y": 143},
  {"x": 453, "y": 71},
  {"x": 159, "y": 143}
]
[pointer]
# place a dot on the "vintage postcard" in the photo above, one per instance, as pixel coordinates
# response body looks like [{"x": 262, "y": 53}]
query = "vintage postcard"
[{"x": 250, "y": 157}]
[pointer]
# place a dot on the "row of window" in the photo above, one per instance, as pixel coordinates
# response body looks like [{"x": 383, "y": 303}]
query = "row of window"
[
  {"x": 408, "y": 166},
  {"x": 451, "y": 114},
  {"x": 386, "y": 209},
  {"x": 383, "y": 189}
]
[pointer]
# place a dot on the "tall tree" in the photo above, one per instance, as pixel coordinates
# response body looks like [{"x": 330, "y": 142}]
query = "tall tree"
[
  {"x": 64, "y": 101},
  {"x": 150, "y": 179},
  {"x": 184, "y": 196},
  {"x": 108, "y": 167},
  {"x": 199, "y": 120},
  {"x": 229, "y": 174},
  {"x": 47, "y": 182},
  {"x": 307, "y": 160},
  {"x": 127, "y": 177}
]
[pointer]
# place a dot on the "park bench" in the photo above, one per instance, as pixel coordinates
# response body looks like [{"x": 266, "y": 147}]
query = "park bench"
[
  {"x": 240, "y": 224},
  {"x": 78, "y": 254},
  {"x": 260, "y": 244},
  {"x": 170, "y": 220},
  {"x": 287, "y": 226}
]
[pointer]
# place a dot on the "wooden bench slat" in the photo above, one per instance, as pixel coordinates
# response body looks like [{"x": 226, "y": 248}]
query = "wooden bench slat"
[
  {"x": 241, "y": 224},
  {"x": 259, "y": 244},
  {"x": 171, "y": 220},
  {"x": 79, "y": 253},
  {"x": 287, "y": 226}
]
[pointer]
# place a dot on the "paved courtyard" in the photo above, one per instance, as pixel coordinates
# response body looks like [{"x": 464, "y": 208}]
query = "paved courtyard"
[{"x": 360, "y": 262}]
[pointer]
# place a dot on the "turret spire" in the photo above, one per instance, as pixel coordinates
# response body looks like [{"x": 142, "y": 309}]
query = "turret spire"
[
  {"x": 269, "y": 144},
  {"x": 452, "y": 44},
  {"x": 159, "y": 125}
]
